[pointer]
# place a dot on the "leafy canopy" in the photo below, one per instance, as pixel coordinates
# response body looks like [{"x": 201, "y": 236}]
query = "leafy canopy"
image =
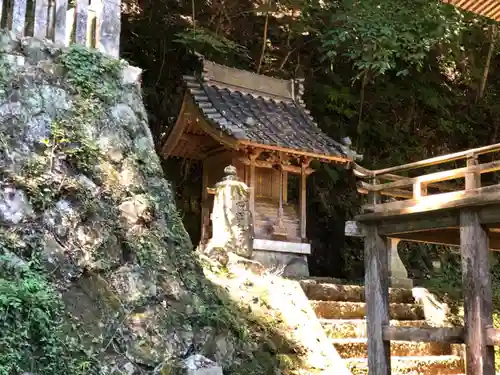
[{"x": 376, "y": 35}]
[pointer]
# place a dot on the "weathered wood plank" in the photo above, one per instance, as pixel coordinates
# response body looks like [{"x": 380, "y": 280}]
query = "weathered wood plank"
[
  {"x": 363, "y": 188},
  {"x": 60, "y": 21},
  {"x": 303, "y": 198},
  {"x": 109, "y": 26},
  {"x": 443, "y": 335},
  {"x": 440, "y": 176},
  {"x": 19, "y": 17},
  {"x": 252, "y": 185},
  {"x": 41, "y": 18},
  {"x": 82, "y": 16},
  {"x": 365, "y": 173},
  {"x": 490, "y": 214},
  {"x": 480, "y": 358},
  {"x": 287, "y": 168},
  {"x": 444, "y": 236},
  {"x": 474, "y": 197},
  {"x": 377, "y": 301},
  {"x": 205, "y": 208},
  {"x": 427, "y": 221},
  {"x": 420, "y": 222}
]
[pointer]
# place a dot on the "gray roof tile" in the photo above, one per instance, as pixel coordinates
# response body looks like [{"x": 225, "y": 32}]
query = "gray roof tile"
[{"x": 260, "y": 119}]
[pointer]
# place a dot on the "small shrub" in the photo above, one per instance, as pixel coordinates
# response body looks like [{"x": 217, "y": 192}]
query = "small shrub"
[
  {"x": 31, "y": 336},
  {"x": 90, "y": 72}
]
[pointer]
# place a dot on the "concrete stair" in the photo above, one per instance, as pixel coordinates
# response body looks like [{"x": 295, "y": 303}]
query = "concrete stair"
[{"x": 341, "y": 310}]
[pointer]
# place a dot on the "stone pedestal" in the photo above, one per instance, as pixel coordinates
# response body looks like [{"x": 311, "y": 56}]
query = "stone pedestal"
[{"x": 399, "y": 275}]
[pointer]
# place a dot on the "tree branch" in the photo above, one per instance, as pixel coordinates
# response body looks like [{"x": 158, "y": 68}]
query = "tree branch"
[
  {"x": 264, "y": 37},
  {"x": 482, "y": 86}
]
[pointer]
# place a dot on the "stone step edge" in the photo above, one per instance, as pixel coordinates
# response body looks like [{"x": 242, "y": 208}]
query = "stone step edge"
[
  {"x": 361, "y": 304},
  {"x": 354, "y": 286},
  {"x": 402, "y": 360},
  {"x": 362, "y": 321}
]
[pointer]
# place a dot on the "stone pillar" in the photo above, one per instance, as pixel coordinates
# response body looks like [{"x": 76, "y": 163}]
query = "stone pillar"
[
  {"x": 399, "y": 275},
  {"x": 231, "y": 218}
]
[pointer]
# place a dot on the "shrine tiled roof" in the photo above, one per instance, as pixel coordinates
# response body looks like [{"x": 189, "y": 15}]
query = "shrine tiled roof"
[{"x": 261, "y": 110}]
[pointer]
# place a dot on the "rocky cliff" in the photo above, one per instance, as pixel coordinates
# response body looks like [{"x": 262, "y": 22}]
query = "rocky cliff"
[{"x": 97, "y": 274}]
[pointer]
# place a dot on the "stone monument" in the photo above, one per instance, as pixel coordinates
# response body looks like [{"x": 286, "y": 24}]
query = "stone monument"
[{"x": 231, "y": 218}]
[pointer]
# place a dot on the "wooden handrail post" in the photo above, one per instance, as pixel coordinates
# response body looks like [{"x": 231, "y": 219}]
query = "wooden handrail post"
[
  {"x": 480, "y": 358},
  {"x": 377, "y": 301},
  {"x": 374, "y": 197},
  {"x": 419, "y": 189},
  {"x": 472, "y": 180}
]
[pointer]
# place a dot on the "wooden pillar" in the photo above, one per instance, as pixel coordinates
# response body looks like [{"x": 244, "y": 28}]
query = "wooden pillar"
[
  {"x": 377, "y": 301},
  {"x": 205, "y": 209},
  {"x": 478, "y": 305},
  {"x": 480, "y": 358},
  {"x": 302, "y": 201},
  {"x": 252, "y": 185}
]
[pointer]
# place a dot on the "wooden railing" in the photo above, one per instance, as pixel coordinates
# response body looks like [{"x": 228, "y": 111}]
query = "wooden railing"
[
  {"x": 427, "y": 192},
  {"x": 93, "y": 23},
  {"x": 468, "y": 216}
]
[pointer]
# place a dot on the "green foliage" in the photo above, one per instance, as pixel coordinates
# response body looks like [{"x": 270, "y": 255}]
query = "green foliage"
[
  {"x": 90, "y": 72},
  {"x": 5, "y": 72},
  {"x": 204, "y": 41},
  {"x": 68, "y": 138},
  {"x": 379, "y": 36},
  {"x": 31, "y": 315}
]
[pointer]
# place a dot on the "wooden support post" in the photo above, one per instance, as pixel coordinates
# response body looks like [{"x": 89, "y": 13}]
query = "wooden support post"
[
  {"x": 303, "y": 206},
  {"x": 252, "y": 184},
  {"x": 419, "y": 190},
  {"x": 377, "y": 301},
  {"x": 472, "y": 180},
  {"x": 205, "y": 209},
  {"x": 480, "y": 358}
]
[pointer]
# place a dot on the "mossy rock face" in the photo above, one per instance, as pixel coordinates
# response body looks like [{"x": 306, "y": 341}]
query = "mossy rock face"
[{"x": 83, "y": 201}]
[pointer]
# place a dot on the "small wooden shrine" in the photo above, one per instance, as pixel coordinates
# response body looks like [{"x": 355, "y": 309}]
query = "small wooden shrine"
[{"x": 259, "y": 125}]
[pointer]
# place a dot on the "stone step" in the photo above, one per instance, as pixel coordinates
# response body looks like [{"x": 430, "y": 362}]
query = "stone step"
[
  {"x": 435, "y": 365},
  {"x": 356, "y": 328},
  {"x": 353, "y": 310},
  {"x": 320, "y": 279},
  {"x": 358, "y": 348},
  {"x": 349, "y": 293}
]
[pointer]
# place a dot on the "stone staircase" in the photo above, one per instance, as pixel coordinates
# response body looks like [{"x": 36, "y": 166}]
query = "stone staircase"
[{"x": 341, "y": 311}]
